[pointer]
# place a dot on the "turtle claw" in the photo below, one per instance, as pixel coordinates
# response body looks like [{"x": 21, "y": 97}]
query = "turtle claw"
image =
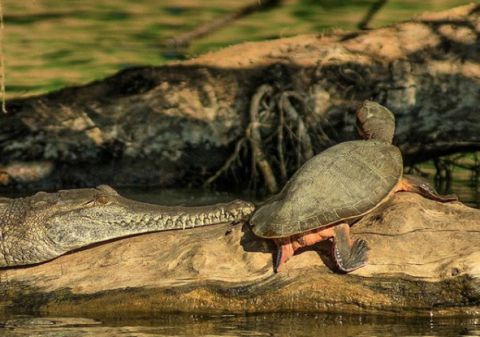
[
  {"x": 448, "y": 198},
  {"x": 278, "y": 260},
  {"x": 348, "y": 256},
  {"x": 359, "y": 248},
  {"x": 284, "y": 252},
  {"x": 356, "y": 258}
]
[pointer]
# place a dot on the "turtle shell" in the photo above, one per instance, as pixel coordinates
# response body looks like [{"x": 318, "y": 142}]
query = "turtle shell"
[{"x": 341, "y": 183}]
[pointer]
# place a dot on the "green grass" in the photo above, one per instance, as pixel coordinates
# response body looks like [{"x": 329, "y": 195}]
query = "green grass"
[{"x": 50, "y": 43}]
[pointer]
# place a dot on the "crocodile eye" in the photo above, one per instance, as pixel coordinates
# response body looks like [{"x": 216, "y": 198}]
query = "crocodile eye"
[{"x": 102, "y": 200}]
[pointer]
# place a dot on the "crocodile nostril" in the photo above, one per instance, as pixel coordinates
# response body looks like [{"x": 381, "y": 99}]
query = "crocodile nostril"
[{"x": 455, "y": 271}]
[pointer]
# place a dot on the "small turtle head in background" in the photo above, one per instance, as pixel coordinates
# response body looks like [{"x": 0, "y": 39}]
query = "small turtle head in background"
[{"x": 374, "y": 121}]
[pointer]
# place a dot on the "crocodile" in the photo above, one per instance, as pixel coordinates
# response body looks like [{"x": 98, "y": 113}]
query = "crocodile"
[{"x": 44, "y": 226}]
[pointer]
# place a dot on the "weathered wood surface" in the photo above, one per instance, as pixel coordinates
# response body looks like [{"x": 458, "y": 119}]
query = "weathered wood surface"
[
  {"x": 424, "y": 259},
  {"x": 177, "y": 124}
]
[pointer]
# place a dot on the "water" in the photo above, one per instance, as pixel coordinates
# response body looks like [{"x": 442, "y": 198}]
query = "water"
[
  {"x": 465, "y": 183},
  {"x": 179, "y": 196},
  {"x": 467, "y": 190},
  {"x": 258, "y": 325}
]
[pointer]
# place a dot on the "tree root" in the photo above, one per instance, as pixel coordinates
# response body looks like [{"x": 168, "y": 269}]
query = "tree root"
[
  {"x": 304, "y": 144},
  {"x": 277, "y": 138},
  {"x": 255, "y": 139},
  {"x": 228, "y": 163}
]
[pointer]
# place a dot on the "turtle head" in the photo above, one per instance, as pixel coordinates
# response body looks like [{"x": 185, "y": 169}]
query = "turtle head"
[{"x": 375, "y": 121}]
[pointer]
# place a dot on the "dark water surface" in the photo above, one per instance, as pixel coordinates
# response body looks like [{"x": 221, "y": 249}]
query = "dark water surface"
[
  {"x": 467, "y": 190},
  {"x": 259, "y": 325}
]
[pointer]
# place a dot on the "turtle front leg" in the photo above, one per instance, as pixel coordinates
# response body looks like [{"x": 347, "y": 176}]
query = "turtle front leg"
[
  {"x": 348, "y": 255},
  {"x": 418, "y": 185}
]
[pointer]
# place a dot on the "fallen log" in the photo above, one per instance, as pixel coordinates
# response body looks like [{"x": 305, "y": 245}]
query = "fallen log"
[
  {"x": 179, "y": 124},
  {"x": 424, "y": 260}
]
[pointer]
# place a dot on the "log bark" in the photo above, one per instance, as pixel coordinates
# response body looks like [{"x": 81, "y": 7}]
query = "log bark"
[
  {"x": 424, "y": 260},
  {"x": 178, "y": 124}
]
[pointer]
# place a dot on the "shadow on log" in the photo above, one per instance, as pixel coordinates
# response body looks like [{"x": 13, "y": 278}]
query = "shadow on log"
[
  {"x": 424, "y": 260},
  {"x": 178, "y": 124}
]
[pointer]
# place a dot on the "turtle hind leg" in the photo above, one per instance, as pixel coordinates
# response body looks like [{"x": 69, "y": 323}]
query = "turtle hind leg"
[
  {"x": 419, "y": 185},
  {"x": 348, "y": 256}
]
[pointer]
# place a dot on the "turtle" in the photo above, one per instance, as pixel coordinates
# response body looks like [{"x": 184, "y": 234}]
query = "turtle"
[{"x": 336, "y": 188}]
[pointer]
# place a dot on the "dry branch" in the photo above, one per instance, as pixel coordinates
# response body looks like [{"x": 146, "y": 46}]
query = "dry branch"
[
  {"x": 373, "y": 10},
  {"x": 207, "y": 28}
]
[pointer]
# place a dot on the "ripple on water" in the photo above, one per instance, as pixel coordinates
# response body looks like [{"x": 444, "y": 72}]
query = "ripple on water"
[{"x": 230, "y": 325}]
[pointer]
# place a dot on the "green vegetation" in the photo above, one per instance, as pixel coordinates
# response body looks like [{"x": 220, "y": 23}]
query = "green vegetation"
[{"x": 49, "y": 44}]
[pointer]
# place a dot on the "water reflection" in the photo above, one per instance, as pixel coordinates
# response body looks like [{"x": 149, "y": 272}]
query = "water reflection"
[
  {"x": 179, "y": 196},
  {"x": 258, "y": 325},
  {"x": 462, "y": 184}
]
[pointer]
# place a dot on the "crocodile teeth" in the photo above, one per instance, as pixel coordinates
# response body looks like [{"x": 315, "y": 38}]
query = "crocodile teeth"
[
  {"x": 183, "y": 220},
  {"x": 194, "y": 220},
  {"x": 175, "y": 220}
]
